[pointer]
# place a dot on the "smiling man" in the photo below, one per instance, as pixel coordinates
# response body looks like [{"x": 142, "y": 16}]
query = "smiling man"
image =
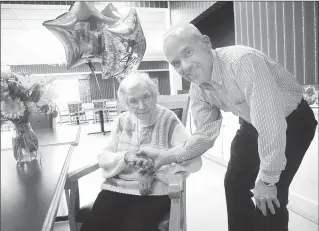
[{"x": 277, "y": 125}]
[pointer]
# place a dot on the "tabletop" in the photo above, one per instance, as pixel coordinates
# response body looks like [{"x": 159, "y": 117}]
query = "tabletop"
[
  {"x": 48, "y": 137},
  {"x": 30, "y": 194}
]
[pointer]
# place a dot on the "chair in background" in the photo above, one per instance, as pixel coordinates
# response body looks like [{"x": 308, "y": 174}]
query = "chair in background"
[
  {"x": 175, "y": 220},
  {"x": 76, "y": 111},
  {"x": 111, "y": 109},
  {"x": 97, "y": 104}
]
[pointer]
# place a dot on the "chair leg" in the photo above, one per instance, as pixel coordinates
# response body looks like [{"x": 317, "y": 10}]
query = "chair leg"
[
  {"x": 73, "y": 206},
  {"x": 183, "y": 204}
]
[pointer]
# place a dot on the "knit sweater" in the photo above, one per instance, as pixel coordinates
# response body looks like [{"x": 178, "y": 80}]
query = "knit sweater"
[{"x": 128, "y": 133}]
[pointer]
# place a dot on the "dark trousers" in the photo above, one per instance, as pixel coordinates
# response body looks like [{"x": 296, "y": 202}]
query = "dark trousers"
[
  {"x": 243, "y": 169},
  {"x": 122, "y": 212}
]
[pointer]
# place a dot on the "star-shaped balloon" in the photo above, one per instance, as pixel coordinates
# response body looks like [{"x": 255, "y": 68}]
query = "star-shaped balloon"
[{"x": 106, "y": 37}]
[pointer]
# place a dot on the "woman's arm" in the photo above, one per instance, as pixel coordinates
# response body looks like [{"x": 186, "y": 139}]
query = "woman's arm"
[{"x": 110, "y": 160}]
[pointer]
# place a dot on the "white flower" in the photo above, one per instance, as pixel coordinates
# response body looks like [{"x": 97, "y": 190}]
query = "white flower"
[
  {"x": 12, "y": 109},
  {"x": 5, "y": 72},
  {"x": 4, "y": 86}
]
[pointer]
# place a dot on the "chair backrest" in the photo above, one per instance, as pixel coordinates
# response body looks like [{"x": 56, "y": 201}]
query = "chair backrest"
[
  {"x": 176, "y": 103},
  {"x": 74, "y": 107},
  {"x": 98, "y": 103}
]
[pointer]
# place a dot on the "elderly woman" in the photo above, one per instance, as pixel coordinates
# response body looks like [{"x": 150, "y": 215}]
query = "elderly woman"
[{"x": 133, "y": 196}]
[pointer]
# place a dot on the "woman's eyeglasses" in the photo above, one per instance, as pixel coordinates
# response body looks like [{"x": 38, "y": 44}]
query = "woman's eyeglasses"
[{"x": 135, "y": 102}]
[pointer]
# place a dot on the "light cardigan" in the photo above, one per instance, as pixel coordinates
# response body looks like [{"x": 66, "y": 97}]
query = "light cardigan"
[{"x": 165, "y": 132}]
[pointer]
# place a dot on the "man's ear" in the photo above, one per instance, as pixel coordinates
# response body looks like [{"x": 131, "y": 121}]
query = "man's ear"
[{"x": 206, "y": 40}]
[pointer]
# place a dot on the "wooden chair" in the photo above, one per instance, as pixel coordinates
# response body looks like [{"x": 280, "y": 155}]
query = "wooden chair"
[
  {"x": 97, "y": 104},
  {"x": 176, "y": 219},
  {"x": 75, "y": 110},
  {"x": 111, "y": 109}
]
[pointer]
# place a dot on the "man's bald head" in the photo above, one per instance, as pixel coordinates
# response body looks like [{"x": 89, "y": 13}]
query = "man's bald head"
[
  {"x": 183, "y": 30},
  {"x": 189, "y": 52}
]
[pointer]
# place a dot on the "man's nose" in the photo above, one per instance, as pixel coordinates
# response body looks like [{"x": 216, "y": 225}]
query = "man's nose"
[{"x": 187, "y": 67}]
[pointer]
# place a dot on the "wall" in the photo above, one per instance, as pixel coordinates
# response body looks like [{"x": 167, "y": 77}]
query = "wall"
[{"x": 286, "y": 31}]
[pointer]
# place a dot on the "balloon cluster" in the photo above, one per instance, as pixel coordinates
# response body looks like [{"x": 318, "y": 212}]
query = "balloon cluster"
[{"x": 106, "y": 37}]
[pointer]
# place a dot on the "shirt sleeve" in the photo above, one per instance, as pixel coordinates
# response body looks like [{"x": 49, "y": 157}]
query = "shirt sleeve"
[
  {"x": 266, "y": 113},
  {"x": 110, "y": 160},
  {"x": 207, "y": 119},
  {"x": 179, "y": 135}
]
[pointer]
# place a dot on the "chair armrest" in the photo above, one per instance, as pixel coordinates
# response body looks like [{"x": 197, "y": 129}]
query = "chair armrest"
[
  {"x": 175, "y": 184},
  {"x": 77, "y": 174}
]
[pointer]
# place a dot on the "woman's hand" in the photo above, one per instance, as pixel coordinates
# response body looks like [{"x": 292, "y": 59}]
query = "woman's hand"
[
  {"x": 145, "y": 185},
  {"x": 138, "y": 162},
  {"x": 159, "y": 156}
]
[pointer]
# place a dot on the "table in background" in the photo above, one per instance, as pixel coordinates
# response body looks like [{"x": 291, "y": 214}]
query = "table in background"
[{"x": 101, "y": 116}]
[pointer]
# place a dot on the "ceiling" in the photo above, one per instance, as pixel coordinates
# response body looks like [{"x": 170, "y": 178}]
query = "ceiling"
[{"x": 24, "y": 40}]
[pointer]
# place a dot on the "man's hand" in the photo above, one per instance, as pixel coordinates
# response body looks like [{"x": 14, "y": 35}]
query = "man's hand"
[
  {"x": 137, "y": 161},
  {"x": 265, "y": 196},
  {"x": 159, "y": 156},
  {"x": 145, "y": 185}
]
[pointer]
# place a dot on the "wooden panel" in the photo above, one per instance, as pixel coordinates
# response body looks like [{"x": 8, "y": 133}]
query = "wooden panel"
[
  {"x": 257, "y": 34},
  {"x": 289, "y": 36},
  {"x": 186, "y": 11},
  {"x": 286, "y": 31}
]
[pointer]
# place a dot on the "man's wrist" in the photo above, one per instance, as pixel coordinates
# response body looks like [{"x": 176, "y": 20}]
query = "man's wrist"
[
  {"x": 267, "y": 183},
  {"x": 269, "y": 177}
]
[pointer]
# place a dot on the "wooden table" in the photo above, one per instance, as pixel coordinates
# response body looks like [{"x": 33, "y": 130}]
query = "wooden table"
[
  {"x": 30, "y": 195},
  {"x": 48, "y": 137}
]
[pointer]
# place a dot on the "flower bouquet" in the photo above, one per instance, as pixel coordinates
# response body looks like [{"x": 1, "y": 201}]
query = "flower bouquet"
[
  {"x": 311, "y": 95},
  {"x": 18, "y": 101}
]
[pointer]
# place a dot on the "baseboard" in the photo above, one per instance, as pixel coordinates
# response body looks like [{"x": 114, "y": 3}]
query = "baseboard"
[
  {"x": 216, "y": 159},
  {"x": 298, "y": 204},
  {"x": 303, "y": 207}
]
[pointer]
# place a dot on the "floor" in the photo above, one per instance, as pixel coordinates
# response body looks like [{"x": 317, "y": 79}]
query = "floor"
[{"x": 206, "y": 208}]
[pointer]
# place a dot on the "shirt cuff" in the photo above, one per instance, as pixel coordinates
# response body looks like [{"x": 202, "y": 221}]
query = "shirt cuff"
[
  {"x": 269, "y": 177},
  {"x": 177, "y": 154}
]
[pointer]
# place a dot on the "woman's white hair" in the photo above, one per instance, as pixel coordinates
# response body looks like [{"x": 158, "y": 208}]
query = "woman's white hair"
[{"x": 134, "y": 79}]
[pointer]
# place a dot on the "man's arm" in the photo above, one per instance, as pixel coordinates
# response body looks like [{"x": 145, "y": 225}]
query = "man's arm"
[
  {"x": 266, "y": 114},
  {"x": 207, "y": 119}
]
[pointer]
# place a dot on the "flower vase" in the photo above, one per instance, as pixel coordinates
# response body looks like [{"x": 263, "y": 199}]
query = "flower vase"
[{"x": 25, "y": 143}]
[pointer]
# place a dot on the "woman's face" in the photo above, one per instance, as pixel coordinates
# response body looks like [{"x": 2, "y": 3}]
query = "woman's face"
[{"x": 141, "y": 102}]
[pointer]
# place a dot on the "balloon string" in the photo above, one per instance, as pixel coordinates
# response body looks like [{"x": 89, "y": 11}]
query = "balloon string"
[{"x": 92, "y": 68}]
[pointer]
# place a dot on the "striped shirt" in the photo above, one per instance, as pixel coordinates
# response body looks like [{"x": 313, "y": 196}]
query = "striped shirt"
[{"x": 254, "y": 87}]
